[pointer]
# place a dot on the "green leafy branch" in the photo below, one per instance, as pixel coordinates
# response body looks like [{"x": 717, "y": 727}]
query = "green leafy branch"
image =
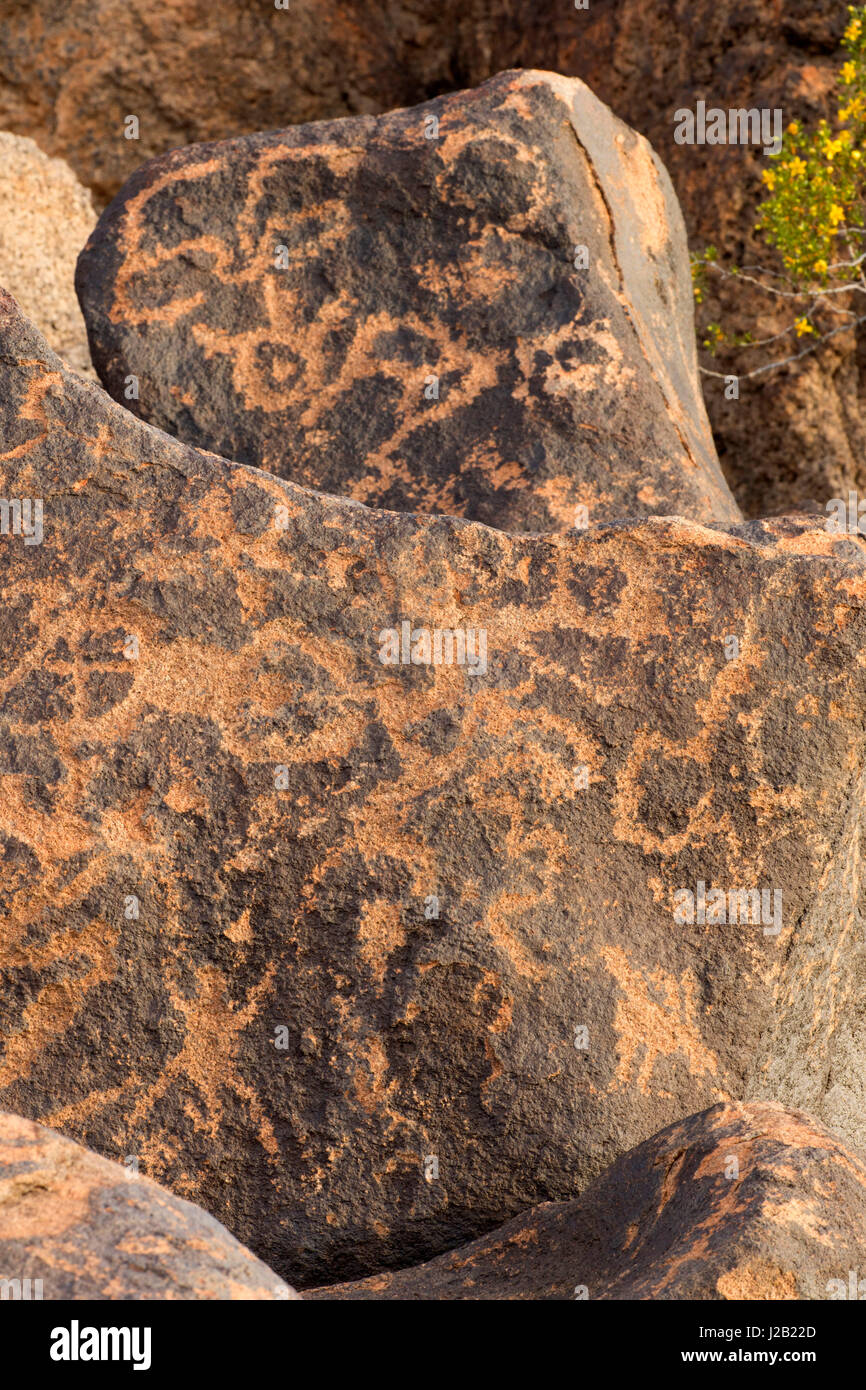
[{"x": 813, "y": 217}]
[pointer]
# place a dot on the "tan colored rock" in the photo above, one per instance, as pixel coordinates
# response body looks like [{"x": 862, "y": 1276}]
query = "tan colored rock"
[
  {"x": 86, "y": 1228},
  {"x": 45, "y": 218}
]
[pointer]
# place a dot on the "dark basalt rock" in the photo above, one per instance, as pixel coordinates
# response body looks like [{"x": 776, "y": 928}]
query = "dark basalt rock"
[
  {"x": 739, "y": 1202},
  {"x": 70, "y": 74},
  {"x": 289, "y": 924},
  {"x": 389, "y": 309},
  {"x": 88, "y": 1229}
]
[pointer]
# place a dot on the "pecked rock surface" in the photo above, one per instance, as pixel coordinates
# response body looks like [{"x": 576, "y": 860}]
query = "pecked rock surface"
[
  {"x": 89, "y": 1229},
  {"x": 367, "y": 958},
  {"x": 45, "y": 217},
  {"x": 389, "y": 309},
  {"x": 738, "y": 1202},
  {"x": 71, "y": 73}
]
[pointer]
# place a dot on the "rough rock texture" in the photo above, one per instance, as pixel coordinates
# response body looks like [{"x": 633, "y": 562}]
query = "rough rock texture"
[
  {"x": 408, "y": 258},
  {"x": 45, "y": 218},
  {"x": 739, "y": 1202},
  {"x": 220, "y": 948},
  {"x": 88, "y": 1228},
  {"x": 794, "y": 435},
  {"x": 70, "y": 74},
  {"x": 73, "y": 72}
]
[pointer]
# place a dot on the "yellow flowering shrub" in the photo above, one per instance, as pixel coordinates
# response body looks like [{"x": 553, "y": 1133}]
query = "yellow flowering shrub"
[
  {"x": 816, "y": 186},
  {"x": 814, "y": 210}
]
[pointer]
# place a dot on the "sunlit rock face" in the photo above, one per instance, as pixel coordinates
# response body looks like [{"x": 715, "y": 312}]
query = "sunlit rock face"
[{"x": 74, "y": 1226}]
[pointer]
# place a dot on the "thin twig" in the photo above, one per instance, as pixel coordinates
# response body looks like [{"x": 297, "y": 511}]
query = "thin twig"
[{"x": 785, "y": 361}]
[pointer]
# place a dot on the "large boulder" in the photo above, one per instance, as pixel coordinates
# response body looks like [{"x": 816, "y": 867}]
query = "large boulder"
[
  {"x": 45, "y": 218},
  {"x": 74, "y": 1226},
  {"x": 367, "y": 956},
  {"x": 71, "y": 73},
  {"x": 739, "y": 1202},
  {"x": 399, "y": 310},
  {"x": 798, "y": 433}
]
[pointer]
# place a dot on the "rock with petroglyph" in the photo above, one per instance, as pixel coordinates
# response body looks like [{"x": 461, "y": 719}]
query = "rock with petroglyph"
[
  {"x": 739, "y": 1202},
  {"x": 480, "y": 306},
  {"x": 72, "y": 74},
  {"x": 75, "y": 1226},
  {"x": 45, "y": 218},
  {"x": 367, "y": 952}
]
